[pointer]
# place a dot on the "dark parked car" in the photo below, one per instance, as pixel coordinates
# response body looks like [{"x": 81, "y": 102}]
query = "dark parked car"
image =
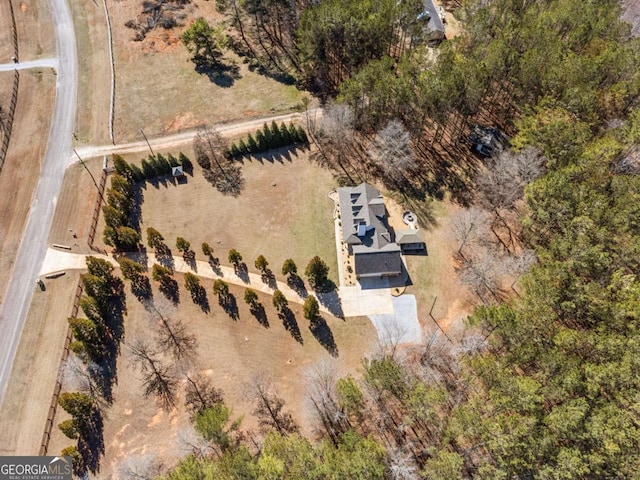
[{"x": 486, "y": 141}]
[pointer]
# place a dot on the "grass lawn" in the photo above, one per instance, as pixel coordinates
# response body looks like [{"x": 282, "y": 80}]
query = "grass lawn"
[
  {"x": 283, "y": 212},
  {"x": 230, "y": 353}
]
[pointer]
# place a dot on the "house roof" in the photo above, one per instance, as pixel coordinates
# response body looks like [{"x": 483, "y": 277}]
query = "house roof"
[
  {"x": 434, "y": 24},
  {"x": 364, "y": 218},
  {"x": 378, "y": 263},
  {"x": 408, "y": 236},
  {"x": 177, "y": 171}
]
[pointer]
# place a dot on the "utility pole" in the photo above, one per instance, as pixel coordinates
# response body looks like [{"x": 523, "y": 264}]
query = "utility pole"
[
  {"x": 90, "y": 174},
  {"x": 148, "y": 144}
]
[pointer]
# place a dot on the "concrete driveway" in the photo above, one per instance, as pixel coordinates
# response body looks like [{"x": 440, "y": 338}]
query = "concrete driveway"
[{"x": 400, "y": 326}]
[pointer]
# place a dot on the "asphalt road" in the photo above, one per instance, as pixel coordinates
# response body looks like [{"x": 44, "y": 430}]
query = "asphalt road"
[
  {"x": 33, "y": 246},
  {"x": 40, "y": 63}
]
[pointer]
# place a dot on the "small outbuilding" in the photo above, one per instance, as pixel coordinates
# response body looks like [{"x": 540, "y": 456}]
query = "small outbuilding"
[
  {"x": 177, "y": 171},
  {"x": 410, "y": 240}
]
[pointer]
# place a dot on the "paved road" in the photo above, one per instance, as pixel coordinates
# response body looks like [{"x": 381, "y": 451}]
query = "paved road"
[
  {"x": 41, "y": 63},
  {"x": 184, "y": 138},
  {"x": 33, "y": 247}
]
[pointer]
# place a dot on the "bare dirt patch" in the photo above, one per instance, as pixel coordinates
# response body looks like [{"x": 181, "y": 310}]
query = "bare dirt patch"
[
  {"x": 156, "y": 82},
  {"x": 230, "y": 353},
  {"x": 21, "y": 169},
  {"x": 26, "y": 405}
]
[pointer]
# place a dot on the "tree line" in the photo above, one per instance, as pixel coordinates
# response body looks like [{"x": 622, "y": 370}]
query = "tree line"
[
  {"x": 269, "y": 138},
  {"x": 92, "y": 371}
]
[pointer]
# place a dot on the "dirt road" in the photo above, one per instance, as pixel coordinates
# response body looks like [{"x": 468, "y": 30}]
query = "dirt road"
[
  {"x": 33, "y": 247},
  {"x": 184, "y": 138}
]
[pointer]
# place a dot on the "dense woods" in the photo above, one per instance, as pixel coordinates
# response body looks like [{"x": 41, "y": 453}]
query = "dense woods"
[{"x": 545, "y": 385}]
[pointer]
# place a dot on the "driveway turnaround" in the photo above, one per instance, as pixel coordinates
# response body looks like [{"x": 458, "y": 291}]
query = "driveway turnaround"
[{"x": 401, "y": 326}]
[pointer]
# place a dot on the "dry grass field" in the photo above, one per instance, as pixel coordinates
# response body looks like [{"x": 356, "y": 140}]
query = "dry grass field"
[
  {"x": 23, "y": 412},
  {"x": 283, "y": 212},
  {"x": 34, "y": 28},
  {"x": 94, "y": 90},
  {"x": 158, "y": 89},
  {"x": 75, "y": 206},
  {"x": 230, "y": 354},
  {"x": 22, "y": 166}
]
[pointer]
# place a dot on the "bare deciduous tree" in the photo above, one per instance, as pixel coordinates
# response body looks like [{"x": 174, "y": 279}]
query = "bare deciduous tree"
[
  {"x": 502, "y": 183},
  {"x": 209, "y": 147},
  {"x": 482, "y": 274},
  {"x": 402, "y": 466},
  {"x": 321, "y": 383},
  {"x": 81, "y": 377},
  {"x": 391, "y": 150},
  {"x": 138, "y": 467},
  {"x": 191, "y": 442},
  {"x": 467, "y": 227},
  {"x": 158, "y": 379},
  {"x": 173, "y": 335},
  {"x": 200, "y": 393},
  {"x": 269, "y": 406}
]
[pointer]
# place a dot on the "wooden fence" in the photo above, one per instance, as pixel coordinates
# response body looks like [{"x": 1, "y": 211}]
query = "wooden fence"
[
  {"x": 96, "y": 212},
  {"x": 48, "y": 427},
  {"x": 8, "y": 123}
]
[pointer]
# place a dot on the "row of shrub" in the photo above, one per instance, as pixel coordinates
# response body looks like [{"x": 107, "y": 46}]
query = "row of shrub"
[
  {"x": 269, "y": 138},
  {"x": 119, "y": 231},
  {"x": 158, "y": 166}
]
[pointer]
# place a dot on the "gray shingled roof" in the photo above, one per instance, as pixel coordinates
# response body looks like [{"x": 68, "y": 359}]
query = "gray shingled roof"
[
  {"x": 434, "y": 24},
  {"x": 408, "y": 236},
  {"x": 364, "y": 217},
  {"x": 378, "y": 263}
]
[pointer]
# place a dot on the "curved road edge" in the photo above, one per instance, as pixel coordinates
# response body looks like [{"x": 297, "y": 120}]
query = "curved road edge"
[{"x": 33, "y": 246}]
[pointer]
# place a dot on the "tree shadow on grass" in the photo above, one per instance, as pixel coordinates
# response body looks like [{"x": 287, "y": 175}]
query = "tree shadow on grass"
[
  {"x": 169, "y": 288},
  {"x": 222, "y": 75},
  {"x": 141, "y": 288},
  {"x": 230, "y": 306},
  {"x": 91, "y": 442},
  {"x": 258, "y": 311},
  {"x": 324, "y": 335},
  {"x": 199, "y": 297},
  {"x": 290, "y": 324}
]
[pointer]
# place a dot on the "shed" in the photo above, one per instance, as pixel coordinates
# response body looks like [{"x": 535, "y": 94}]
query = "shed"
[{"x": 177, "y": 171}]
